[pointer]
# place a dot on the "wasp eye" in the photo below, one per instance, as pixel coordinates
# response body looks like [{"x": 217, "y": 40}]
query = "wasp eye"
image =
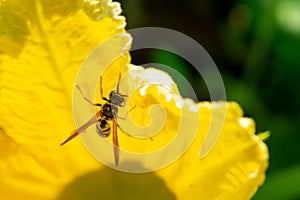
[{"x": 112, "y": 94}]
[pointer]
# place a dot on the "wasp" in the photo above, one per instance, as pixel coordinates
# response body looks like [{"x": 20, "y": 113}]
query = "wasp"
[{"x": 108, "y": 112}]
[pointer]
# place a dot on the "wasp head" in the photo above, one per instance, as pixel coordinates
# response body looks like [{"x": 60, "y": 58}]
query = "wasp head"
[{"x": 116, "y": 98}]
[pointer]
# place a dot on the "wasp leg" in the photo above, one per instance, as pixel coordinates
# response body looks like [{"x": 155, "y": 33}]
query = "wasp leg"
[
  {"x": 123, "y": 118},
  {"x": 126, "y": 115},
  {"x": 86, "y": 99},
  {"x": 101, "y": 90},
  {"x": 140, "y": 138}
]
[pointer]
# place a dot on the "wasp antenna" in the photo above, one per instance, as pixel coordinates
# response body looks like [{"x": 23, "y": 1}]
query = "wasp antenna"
[{"x": 118, "y": 82}]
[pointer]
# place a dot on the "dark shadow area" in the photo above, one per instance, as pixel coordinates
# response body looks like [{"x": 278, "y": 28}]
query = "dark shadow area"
[{"x": 109, "y": 184}]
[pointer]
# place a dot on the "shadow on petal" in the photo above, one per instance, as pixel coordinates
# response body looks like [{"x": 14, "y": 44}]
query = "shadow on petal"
[{"x": 109, "y": 184}]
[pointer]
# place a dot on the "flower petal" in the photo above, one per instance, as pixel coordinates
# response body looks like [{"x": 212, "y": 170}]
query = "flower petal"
[
  {"x": 232, "y": 170},
  {"x": 43, "y": 44}
]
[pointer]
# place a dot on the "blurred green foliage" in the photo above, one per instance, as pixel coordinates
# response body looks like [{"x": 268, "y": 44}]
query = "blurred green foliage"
[{"x": 256, "y": 46}]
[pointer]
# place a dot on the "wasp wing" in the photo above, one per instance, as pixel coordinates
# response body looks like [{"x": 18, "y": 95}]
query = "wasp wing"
[
  {"x": 115, "y": 141},
  {"x": 82, "y": 128}
]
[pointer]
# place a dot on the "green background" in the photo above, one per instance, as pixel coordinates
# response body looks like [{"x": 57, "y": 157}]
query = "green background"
[{"x": 256, "y": 46}]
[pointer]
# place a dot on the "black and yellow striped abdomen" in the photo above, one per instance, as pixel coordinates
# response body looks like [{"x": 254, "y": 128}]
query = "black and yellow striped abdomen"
[{"x": 103, "y": 128}]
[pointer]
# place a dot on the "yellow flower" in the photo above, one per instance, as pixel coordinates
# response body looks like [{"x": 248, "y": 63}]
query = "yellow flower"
[{"x": 43, "y": 43}]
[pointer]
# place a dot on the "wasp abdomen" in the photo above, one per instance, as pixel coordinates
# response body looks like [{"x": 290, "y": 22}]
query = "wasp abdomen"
[{"x": 103, "y": 128}]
